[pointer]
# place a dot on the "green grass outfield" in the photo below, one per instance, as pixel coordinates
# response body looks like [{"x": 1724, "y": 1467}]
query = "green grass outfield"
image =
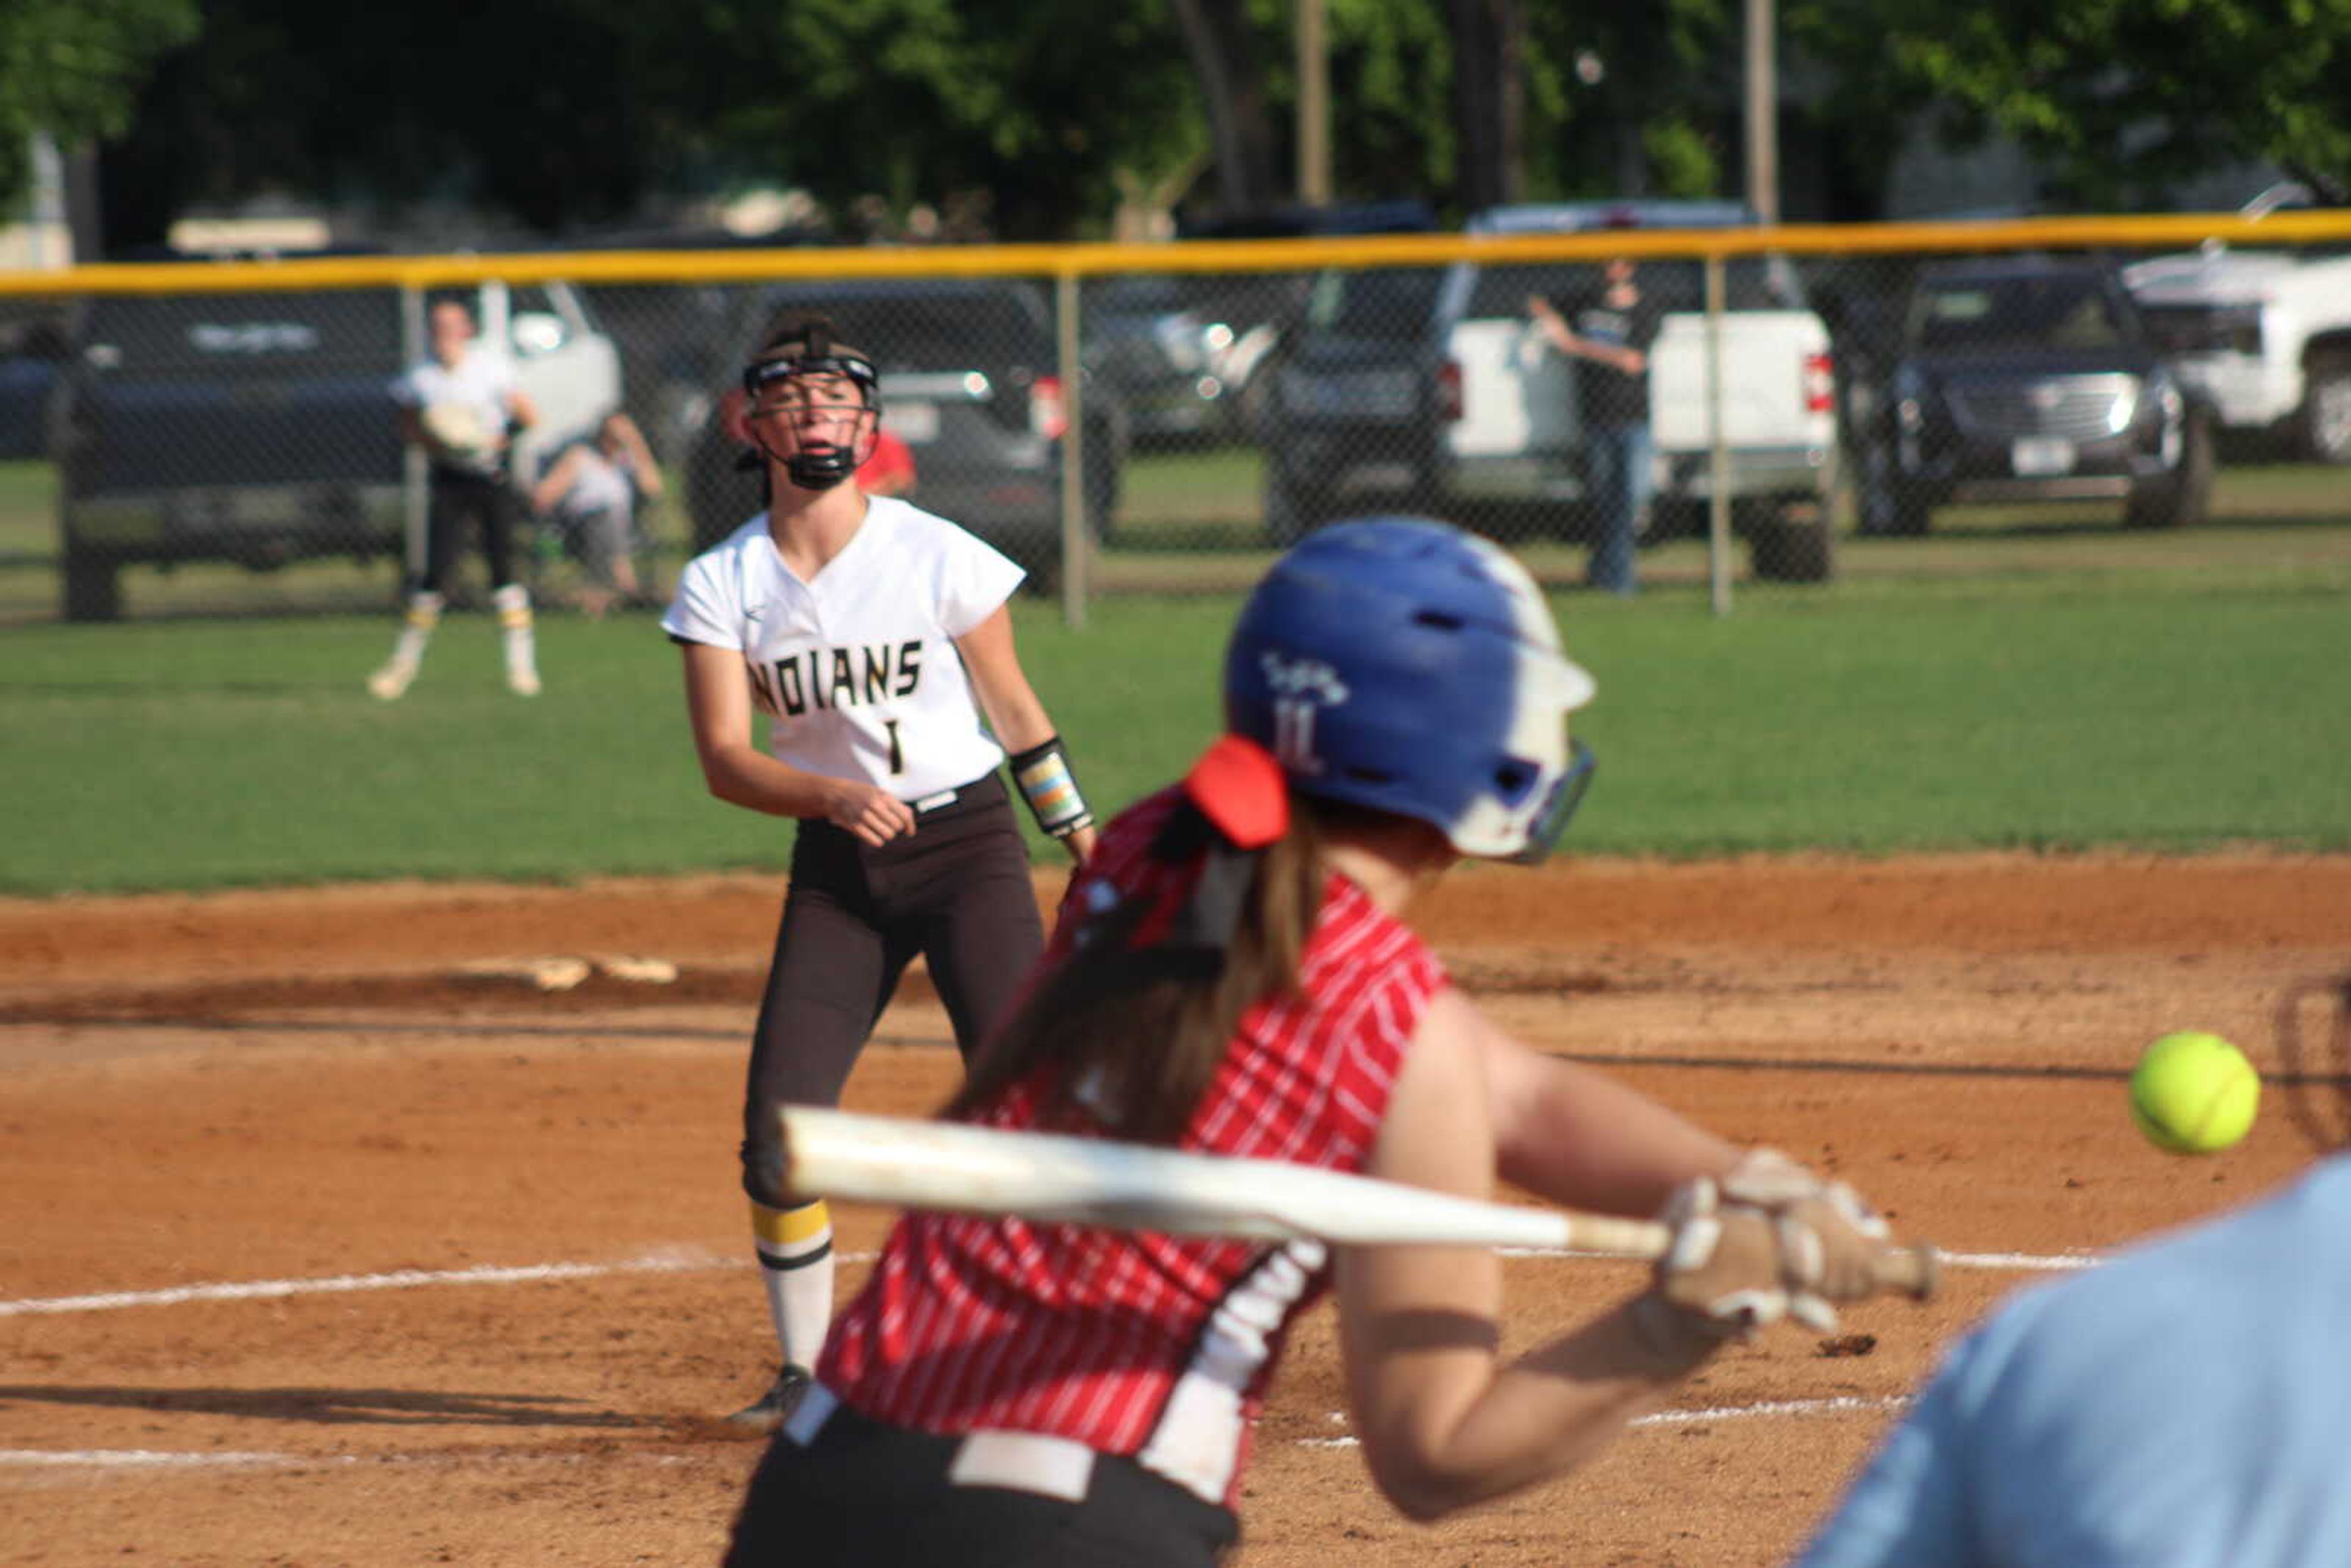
[{"x": 2168, "y": 710}]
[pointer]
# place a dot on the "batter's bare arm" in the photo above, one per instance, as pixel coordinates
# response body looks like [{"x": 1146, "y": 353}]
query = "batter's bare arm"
[
  {"x": 1445, "y": 1418},
  {"x": 1576, "y": 1137},
  {"x": 719, "y": 702}
]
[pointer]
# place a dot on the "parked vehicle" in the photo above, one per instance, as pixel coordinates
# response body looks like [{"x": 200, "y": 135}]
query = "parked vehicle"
[
  {"x": 261, "y": 429},
  {"x": 1432, "y": 389},
  {"x": 969, "y": 382},
  {"x": 1255, "y": 316},
  {"x": 1162, "y": 342},
  {"x": 2265, "y": 334},
  {"x": 2029, "y": 378}
]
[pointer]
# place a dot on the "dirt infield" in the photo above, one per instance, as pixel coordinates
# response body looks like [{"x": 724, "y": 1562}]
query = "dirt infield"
[{"x": 315, "y": 1249}]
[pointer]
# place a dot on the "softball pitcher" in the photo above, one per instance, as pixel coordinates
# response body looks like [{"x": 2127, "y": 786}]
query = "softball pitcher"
[{"x": 874, "y": 636}]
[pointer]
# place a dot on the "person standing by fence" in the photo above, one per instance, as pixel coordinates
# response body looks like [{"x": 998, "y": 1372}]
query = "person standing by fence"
[{"x": 1608, "y": 330}]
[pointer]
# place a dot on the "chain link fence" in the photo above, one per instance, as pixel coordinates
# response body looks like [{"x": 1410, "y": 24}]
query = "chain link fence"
[{"x": 1735, "y": 406}]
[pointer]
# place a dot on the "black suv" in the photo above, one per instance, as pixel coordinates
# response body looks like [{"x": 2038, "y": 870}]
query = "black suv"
[
  {"x": 2028, "y": 378},
  {"x": 970, "y": 382}
]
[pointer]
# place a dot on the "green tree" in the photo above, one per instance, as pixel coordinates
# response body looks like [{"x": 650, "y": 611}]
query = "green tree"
[
  {"x": 567, "y": 114},
  {"x": 1029, "y": 109},
  {"x": 71, "y": 69},
  {"x": 2120, "y": 99}
]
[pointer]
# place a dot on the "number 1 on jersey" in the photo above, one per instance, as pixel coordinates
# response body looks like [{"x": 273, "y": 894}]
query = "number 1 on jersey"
[{"x": 897, "y": 752}]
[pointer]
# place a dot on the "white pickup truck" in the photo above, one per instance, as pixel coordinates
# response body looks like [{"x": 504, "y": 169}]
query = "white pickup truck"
[
  {"x": 1431, "y": 389},
  {"x": 1516, "y": 431},
  {"x": 2264, "y": 334}
]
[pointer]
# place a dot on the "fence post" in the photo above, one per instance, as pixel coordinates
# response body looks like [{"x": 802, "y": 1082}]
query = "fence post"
[
  {"x": 1075, "y": 540},
  {"x": 413, "y": 476},
  {"x": 1718, "y": 458}
]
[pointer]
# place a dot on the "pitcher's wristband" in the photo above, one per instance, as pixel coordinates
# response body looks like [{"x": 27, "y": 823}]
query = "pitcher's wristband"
[{"x": 1050, "y": 789}]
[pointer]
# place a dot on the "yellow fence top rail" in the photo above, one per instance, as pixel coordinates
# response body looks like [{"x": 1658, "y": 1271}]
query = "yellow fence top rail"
[{"x": 745, "y": 265}]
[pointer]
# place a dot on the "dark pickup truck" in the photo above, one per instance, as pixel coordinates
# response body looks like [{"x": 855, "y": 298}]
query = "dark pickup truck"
[{"x": 260, "y": 428}]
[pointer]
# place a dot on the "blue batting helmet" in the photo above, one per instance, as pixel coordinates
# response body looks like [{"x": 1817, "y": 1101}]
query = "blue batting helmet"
[{"x": 1404, "y": 665}]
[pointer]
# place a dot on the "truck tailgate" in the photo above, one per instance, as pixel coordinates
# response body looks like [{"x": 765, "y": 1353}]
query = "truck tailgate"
[
  {"x": 1518, "y": 396},
  {"x": 1765, "y": 384}
]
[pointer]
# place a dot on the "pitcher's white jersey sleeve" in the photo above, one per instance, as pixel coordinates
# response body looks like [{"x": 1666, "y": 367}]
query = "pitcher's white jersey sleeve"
[
  {"x": 975, "y": 580},
  {"x": 708, "y": 604}
]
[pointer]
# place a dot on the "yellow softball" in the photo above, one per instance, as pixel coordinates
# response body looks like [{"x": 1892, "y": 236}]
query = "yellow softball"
[{"x": 2194, "y": 1093}]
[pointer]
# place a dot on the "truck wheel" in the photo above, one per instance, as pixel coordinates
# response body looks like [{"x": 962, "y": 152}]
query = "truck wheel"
[
  {"x": 93, "y": 586},
  {"x": 1793, "y": 550},
  {"x": 2326, "y": 412},
  {"x": 2182, "y": 498}
]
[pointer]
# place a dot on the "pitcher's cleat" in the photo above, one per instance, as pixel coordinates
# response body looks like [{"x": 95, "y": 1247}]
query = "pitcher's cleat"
[
  {"x": 390, "y": 683},
  {"x": 523, "y": 683},
  {"x": 773, "y": 1408}
]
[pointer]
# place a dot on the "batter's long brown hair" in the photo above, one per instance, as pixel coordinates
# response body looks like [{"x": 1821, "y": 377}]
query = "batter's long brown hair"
[{"x": 1128, "y": 1037}]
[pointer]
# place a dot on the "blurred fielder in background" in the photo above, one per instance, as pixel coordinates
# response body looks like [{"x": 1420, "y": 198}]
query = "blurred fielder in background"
[
  {"x": 462, "y": 406},
  {"x": 874, "y": 636},
  {"x": 2186, "y": 1405},
  {"x": 1232, "y": 975}
]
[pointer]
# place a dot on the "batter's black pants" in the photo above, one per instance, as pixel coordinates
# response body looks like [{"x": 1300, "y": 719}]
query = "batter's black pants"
[
  {"x": 456, "y": 503},
  {"x": 956, "y": 891},
  {"x": 866, "y": 1495}
]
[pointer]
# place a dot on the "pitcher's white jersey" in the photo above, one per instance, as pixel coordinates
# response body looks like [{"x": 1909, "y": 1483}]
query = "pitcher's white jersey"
[{"x": 857, "y": 669}]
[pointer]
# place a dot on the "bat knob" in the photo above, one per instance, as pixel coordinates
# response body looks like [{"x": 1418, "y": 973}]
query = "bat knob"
[{"x": 1915, "y": 1271}]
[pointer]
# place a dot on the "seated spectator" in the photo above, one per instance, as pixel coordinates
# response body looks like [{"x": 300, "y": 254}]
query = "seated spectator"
[{"x": 591, "y": 491}]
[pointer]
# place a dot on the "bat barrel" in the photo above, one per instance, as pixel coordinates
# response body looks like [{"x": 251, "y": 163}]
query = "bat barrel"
[{"x": 1052, "y": 1178}]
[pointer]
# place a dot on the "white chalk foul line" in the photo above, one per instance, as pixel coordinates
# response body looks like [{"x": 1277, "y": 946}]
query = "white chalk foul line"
[
  {"x": 2011, "y": 1262},
  {"x": 687, "y": 1263},
  {"x": 152, "y": 1459},
  {"x": 398, "y": 1279},
  {"x": 149, "y": 1458}
]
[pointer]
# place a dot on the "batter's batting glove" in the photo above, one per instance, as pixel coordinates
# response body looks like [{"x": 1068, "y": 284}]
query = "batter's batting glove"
[
  {"x": 1830, "y": 1241},
  {"x": 1722, "y": 1273}
]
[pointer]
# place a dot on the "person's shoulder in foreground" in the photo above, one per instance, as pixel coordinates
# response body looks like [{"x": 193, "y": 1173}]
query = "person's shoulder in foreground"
[{"x": 2186, "y": 1405}]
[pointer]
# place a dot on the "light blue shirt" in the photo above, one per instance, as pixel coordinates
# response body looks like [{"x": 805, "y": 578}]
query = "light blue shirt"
[{"x": 2186, "y": 1406}]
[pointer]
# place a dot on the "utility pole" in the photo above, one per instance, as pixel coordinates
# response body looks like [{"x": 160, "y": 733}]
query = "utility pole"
[
  {"x": 1314, "y": 106},
  {"x": 1763, "y": 113}
]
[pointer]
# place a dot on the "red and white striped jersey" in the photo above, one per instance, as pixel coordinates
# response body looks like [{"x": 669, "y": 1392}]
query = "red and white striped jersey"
[{"x": 1153, "y": 1346}]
